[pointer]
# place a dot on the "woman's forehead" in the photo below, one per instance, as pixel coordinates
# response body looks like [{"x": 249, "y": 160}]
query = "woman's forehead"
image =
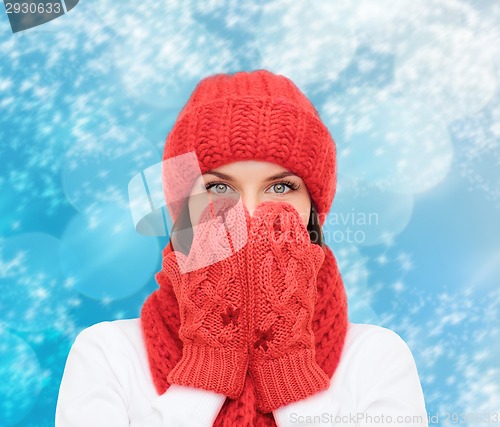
[{"x": 253, "y": 166}]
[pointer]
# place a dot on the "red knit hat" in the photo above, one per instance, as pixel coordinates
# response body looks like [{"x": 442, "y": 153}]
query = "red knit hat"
[{"x": 255, "y": 115}]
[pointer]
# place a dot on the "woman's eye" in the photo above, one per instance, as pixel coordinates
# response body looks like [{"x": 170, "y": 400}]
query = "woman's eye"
[
  {"x": 218, "y": 188},
  {"x": 280, "y": 188},
  {"x": 284, "y": 187}
]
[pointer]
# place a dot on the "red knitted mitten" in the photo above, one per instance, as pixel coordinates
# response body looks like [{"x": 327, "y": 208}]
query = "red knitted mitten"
[
  {"x": 210, "y": 287},
  {"x": 282, "y": 268}
]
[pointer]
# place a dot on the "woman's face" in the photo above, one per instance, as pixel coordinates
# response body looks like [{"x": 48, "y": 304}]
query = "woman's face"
[{"x": 252, "y": 181}]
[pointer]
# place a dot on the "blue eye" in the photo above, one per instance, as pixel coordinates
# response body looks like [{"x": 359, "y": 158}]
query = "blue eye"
[
  {"x": 220, "y": 187},
  {"x": 280, "y": 187}
]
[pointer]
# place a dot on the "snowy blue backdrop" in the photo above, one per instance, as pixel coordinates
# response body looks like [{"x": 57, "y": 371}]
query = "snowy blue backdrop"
[{"x": 410, "y": 93}]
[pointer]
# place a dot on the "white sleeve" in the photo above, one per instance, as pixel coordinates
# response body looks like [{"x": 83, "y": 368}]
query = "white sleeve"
[
  {"x": 389, "y": 388},
  {"x": 318, "y": 409},
  {"x": 385, "y": 386},
  {"x": 91, "y": 394},
  {"x": 185, "y": 407}
]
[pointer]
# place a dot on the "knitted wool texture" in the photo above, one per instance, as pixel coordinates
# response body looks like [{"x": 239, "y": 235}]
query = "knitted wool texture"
[
  {"x": 249, "y": 116},
  {"x": 282, "y": 267},
  {"x": 210, "y": 284},
  {"x": 161, "y": 322}
]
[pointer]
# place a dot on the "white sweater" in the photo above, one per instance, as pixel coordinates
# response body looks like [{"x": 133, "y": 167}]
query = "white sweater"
[{"x": 107, "y": 383}]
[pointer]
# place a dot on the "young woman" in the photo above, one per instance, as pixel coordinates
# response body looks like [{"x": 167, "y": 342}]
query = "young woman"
[{"x": 249, "y": 325}]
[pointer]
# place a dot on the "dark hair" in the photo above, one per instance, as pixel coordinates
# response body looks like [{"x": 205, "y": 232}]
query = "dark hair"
[
  {"x": 183, "y": 226},
  {"x": 314, "y": 227}
]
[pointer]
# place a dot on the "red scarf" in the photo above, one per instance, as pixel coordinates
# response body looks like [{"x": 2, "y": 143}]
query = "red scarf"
[{"x": 161, "y": 322}]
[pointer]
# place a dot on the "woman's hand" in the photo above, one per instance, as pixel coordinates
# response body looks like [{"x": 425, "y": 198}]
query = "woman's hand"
[
  {"x": 282, "y": 268},
  {"x": 210, "y": 287}
]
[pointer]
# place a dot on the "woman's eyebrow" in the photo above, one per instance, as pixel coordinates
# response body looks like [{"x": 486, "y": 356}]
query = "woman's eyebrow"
[
  {"x": 220, "y": 175},
  {"x": 271, "y": 178},
  {"x": 280, "y": 175}
]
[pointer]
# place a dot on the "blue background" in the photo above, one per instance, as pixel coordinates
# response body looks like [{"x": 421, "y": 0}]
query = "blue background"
[{"x": 409, "y": 91}]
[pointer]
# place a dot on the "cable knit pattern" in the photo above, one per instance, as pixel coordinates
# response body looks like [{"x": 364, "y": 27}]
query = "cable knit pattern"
[
  {"x": 160, "y": 320},
  {"x": 283, "y": 265},
  {"x": 211, "y": 288}
]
